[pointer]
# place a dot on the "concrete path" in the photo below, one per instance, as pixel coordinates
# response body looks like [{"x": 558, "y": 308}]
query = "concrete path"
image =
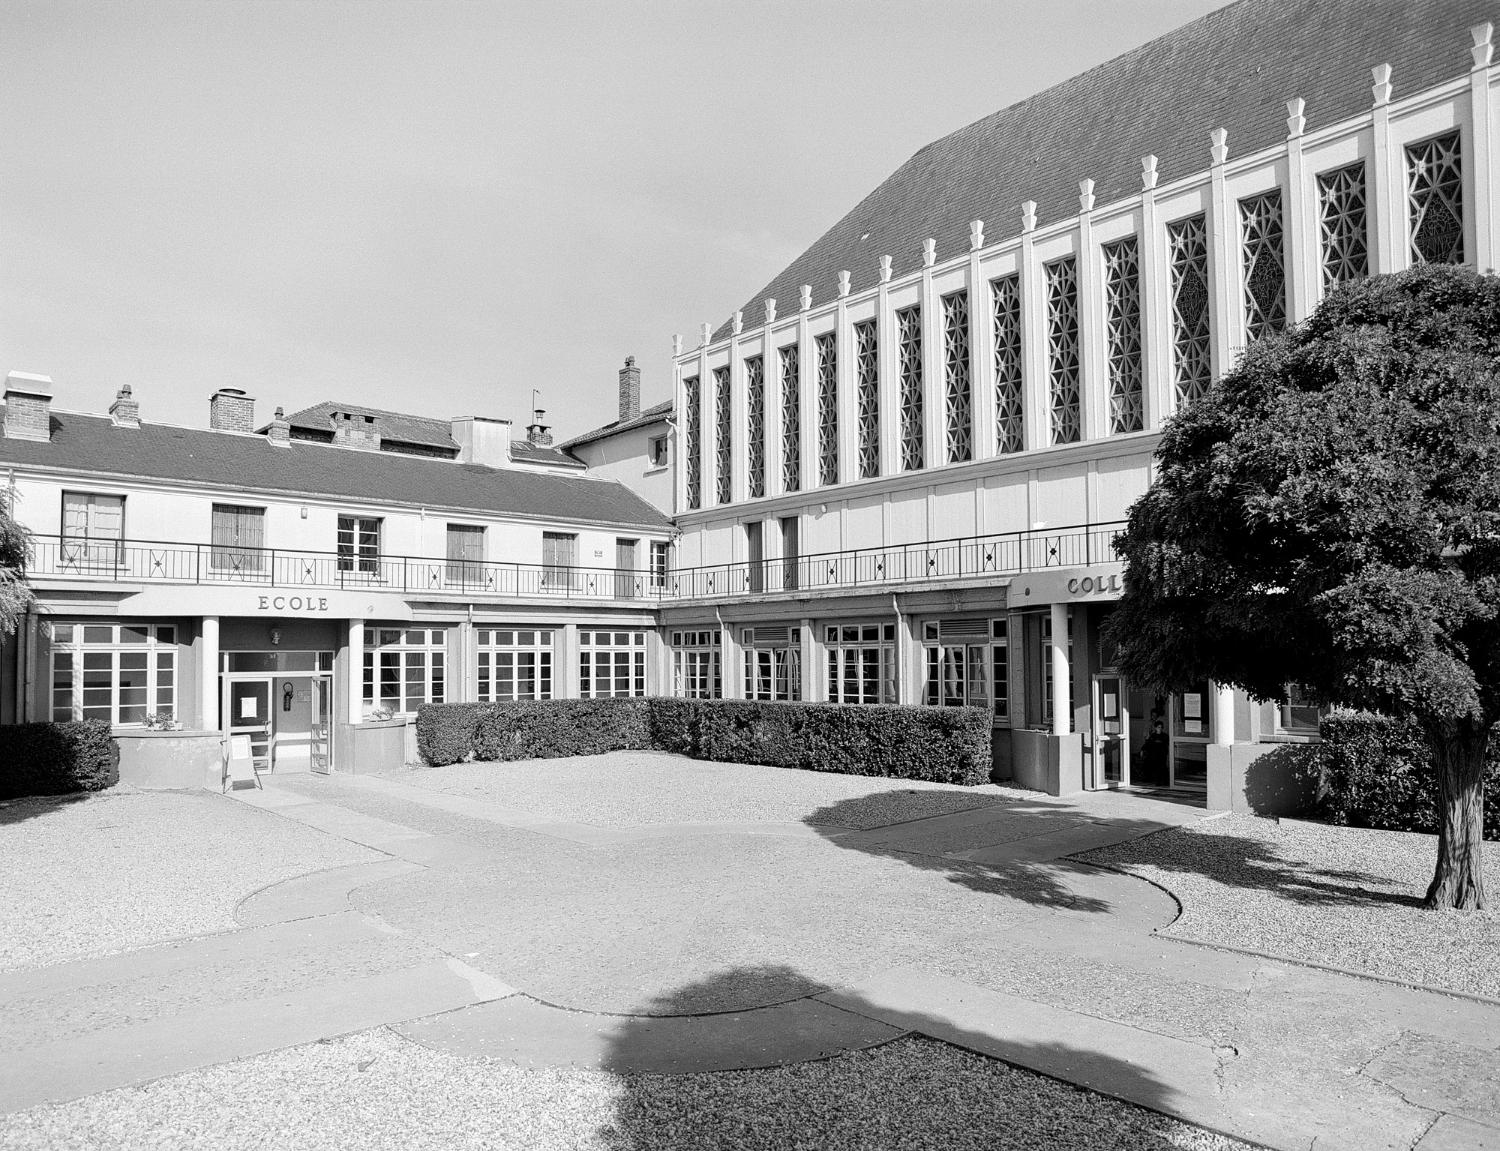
[{"x": 492, "y": 931}]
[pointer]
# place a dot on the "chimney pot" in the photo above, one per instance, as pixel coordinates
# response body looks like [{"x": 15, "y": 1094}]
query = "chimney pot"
[
  {"x": 630, "y": 390},
  {"x": 28, "y": 407},
  {"x": 537, "y": 433},
  {"x": 280, "y": 431}
]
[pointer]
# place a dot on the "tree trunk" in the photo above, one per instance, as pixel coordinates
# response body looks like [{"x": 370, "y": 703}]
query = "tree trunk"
[{"x": 1458, "y": 758}]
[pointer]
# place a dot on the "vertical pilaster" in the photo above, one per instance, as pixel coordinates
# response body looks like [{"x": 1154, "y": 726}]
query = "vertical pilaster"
[
  {"x": 807, "y": 380},
  {"x": 1156, "y": 305},
  {"x": 1481, "y": 150},
  {"x": 814, "y": 665},
  {"x": 565, "y": 678},
  {"x": 732, "y": 661},
  {"x": 1062, "y": 674},
  {"x": 208, "y": 674},
  {"x": 848, "y": 405},
  {"x": 981, "y": 350},
  {"x": 1223, "y": 229},
  {"x": 354, "y": 670},
  {"x": 1094, "y": 413},
  {"x": 1387, "y": 190},
  {"x": 1037, "y": 399},
  {"x": 934, "y": 383},
  {"x": 771, "y": 363},
  {"x": 890, "y": 387},
  {"x": 1223, "y": 714},
  {"x": 678, "y": 430},
  {"x": 738, "y": 422},
  {"x": 1299, "y": 223}
]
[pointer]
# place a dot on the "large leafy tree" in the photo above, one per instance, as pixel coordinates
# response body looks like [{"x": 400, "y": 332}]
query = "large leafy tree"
[
  {"x": 1329, "y": 514},
  {"x": 15, "y": 549}
]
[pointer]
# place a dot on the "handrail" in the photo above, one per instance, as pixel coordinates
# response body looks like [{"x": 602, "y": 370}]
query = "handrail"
[{"x": 960, "y": 557}]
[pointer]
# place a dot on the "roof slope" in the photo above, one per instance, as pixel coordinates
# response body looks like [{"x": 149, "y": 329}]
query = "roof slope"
[
  {"x": 93, "y": 444},
  {"x": 527, "y": 452},
  {"x": 1234, "y": 68},
  {"x": 648, "y": 416},
  {"x": 396, "y": 426}
]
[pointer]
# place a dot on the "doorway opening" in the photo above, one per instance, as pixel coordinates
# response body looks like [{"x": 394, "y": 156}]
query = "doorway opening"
[
  {"x": 282, "y": 701},
  {"x": 1142, "y": 739}
]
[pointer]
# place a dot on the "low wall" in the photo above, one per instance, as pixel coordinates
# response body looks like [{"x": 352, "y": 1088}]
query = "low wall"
[
  {"x": 1261, "y": 778},
  {"x": 171, "y": 759},
  {"x": 1046, "y": 762},
  {"x": 373, "y": 746}
]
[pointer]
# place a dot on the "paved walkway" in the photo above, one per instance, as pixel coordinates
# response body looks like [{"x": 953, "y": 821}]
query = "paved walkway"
[{"x": 494, "y": 931}]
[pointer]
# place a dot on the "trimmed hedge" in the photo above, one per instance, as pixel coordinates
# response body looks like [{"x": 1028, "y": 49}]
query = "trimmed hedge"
[
  {"x": 57, "y": 758},
  {"x": 1377, "y": 772},
  {"x": 947, "y": 745}
]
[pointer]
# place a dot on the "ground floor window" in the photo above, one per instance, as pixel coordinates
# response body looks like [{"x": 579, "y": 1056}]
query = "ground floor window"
[
  {"x": 773, "y": 663},
  {"x": 513, "y": 664},
  {"x": 697, "y": 664},
  {"x": 862, "y": 663},
  {"x": 1298, "y": 713},
  {"x": 404, "y": 667},
  {"x": 117, "y": 672},
  {"x": 611, "y": 663},
  {"x": 959, "y": 663},
  {"x": 1037, "y": 652}
]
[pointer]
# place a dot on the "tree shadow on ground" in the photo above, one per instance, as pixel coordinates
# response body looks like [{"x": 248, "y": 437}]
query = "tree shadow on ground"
[
  {"x": 37, "y": 806},
  {"x": 875, "y": 1080}
]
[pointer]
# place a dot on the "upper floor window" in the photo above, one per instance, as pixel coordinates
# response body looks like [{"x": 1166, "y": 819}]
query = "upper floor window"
[
  {"x": 656, "y": 452},
  {"x": 513, "y": 663},
  {"x": 1265, "y": 269},
  {"x": 791, "y": 419},
  {"x": 404, "y": 667},
  {"x": 559, "y": 559},
  {"x": 723, "y": 443},
  {"x": 825, "y": 350},
  {"x": 959, "y": 411},
  {"x": 909, "y": 351},
  {"x": 1062, "y": 350},
  {"x": 611, "y": 663},
  {"x": 1342, "y": 225},
  {"x": 93, "y": 530},
  {"x": 1435, "y": 199},
  {"x": 117, "y": 672},
  {"x": 862, "y": 663},
  {"x": 755, "y": 424},
  {"x": 1009, "y": 381},
  {"x": 661, "y": 560},
  {"x": 359, "y": 544},
  {"x": 694, "y": 442},
  {"x": 239, "y": 537},
  {"x": 1192, "y": 355},
  {"x": 697, "y": 671},
  {"x": 465, "y": 555},
  {"x": 867, "y": 391},
  {"x": 1122, "y": 329}
]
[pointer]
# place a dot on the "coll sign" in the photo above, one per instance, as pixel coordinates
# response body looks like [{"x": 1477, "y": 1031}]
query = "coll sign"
[
  {"x": 306, "y": 605},
  {"x": 1096, "y": 585}
]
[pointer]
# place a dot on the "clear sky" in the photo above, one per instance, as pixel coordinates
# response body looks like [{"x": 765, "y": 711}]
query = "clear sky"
[{"x": 436, "y": 206}]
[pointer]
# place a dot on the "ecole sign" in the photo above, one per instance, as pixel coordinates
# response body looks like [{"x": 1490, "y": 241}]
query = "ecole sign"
[
  {"x": 304, "y": 605},
  {"x": 1096, "y": 585}
]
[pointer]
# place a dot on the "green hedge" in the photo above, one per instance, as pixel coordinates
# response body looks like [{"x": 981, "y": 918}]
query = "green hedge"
[
  {"x": 1377, "y": 772},
  {"x": 57, "y": 758},
  {"x": 948, "y": 745}
]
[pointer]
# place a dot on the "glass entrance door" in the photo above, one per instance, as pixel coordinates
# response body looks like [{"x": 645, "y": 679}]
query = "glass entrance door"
[
  {"x": 249, "y": 713},
  {"x": 1192, "y": 732},
  {"x": 320, "y": 748},
  {"x": 1111, "y": 735}
]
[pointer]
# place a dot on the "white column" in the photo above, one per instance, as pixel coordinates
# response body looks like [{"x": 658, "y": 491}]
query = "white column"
[
  {"x": 565, "y": 684},
  {"x": 890, "y": 370},
  {"x": 1481, "y": 149},
  {"x": 814, "y": 663},
  {"x": 1062, "y": 674},
  {"x": 1093, "y": 384},
  {"x": 1223, "y": 714},
  {"x": 355, "y": 679},
  {"x": 1299, "y": 248},
  {"x": 1156, "y": 305},
  {"x": 1037, "y": 399},
  {"x": 208, "y": 674},
  {"x": 1228, "y": 334},
  {"x": 981, "y": 350},
  {"x": 1387, "y": 187},
  {"x": 934, "y": 379}
]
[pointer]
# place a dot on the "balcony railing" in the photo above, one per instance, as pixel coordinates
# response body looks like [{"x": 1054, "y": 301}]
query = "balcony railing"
[{"x": 968, "y": 558}]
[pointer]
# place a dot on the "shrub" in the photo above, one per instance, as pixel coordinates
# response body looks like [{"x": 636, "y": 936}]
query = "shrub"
[
  {"x": 948, "y": 745},
  {"x": 445, "y": 731},
  {"x": 57, "y": 758},
  {"x": 1377, "y": 772},
  {"x": 550, "y": 729}
]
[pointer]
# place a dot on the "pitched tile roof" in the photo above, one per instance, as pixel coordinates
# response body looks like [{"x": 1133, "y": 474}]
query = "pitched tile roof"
[
  {"x": 1234, "y": 69},
  {"x": 251, "y": 463},
  {"x": 532, "y": 453},
  {"x": 651, "y": 415},
  {"x": 393, "y": 425}
]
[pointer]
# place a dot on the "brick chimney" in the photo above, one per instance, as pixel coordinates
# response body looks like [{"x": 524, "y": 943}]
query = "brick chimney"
[
  {"x": 125, "y": 412},
  {"x": 230, "y": 410},
  {"x": 630, "y": 390},
  {"x": 356, "y": 430},
  {"x": 280, "y": 431},
  {"x": 538, "y": 435},
  {"x": 28, "y": 407}
]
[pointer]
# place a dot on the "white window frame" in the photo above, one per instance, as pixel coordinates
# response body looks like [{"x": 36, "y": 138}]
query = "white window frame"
[
  {"x": 72, "y": 648},
  {"x": 858, "y": 646},
  {"x": 610, "y": 650},
  {"x": 406, "y": 649},
  {"x": 516, "y": 651},
  {"x": 698, "y": 664}
]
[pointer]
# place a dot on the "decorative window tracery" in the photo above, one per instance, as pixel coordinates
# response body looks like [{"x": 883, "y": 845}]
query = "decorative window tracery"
[
  {"x": 694, "y": 442},
  {"x": 1009, "y": 380},
  {"x": 1187, "y": 257},
  {"x": 825, "y": 351},
  {"x": 1122, "y": 327},
  {"x": 909, "y": 349},
  {"x": 791, "y": 419},
  {"x": 1265, "y": 266},
  {"x": 1435, "y": 196},
  {"x": 960, "y": 406},
  {"x": 867, "y": 389},
  {"x": 1062, "y": 350},
  {"x": 1343, "y": 226},
  {"x": 723, "y": 444},
  {"x": 755, "y": 424}
]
